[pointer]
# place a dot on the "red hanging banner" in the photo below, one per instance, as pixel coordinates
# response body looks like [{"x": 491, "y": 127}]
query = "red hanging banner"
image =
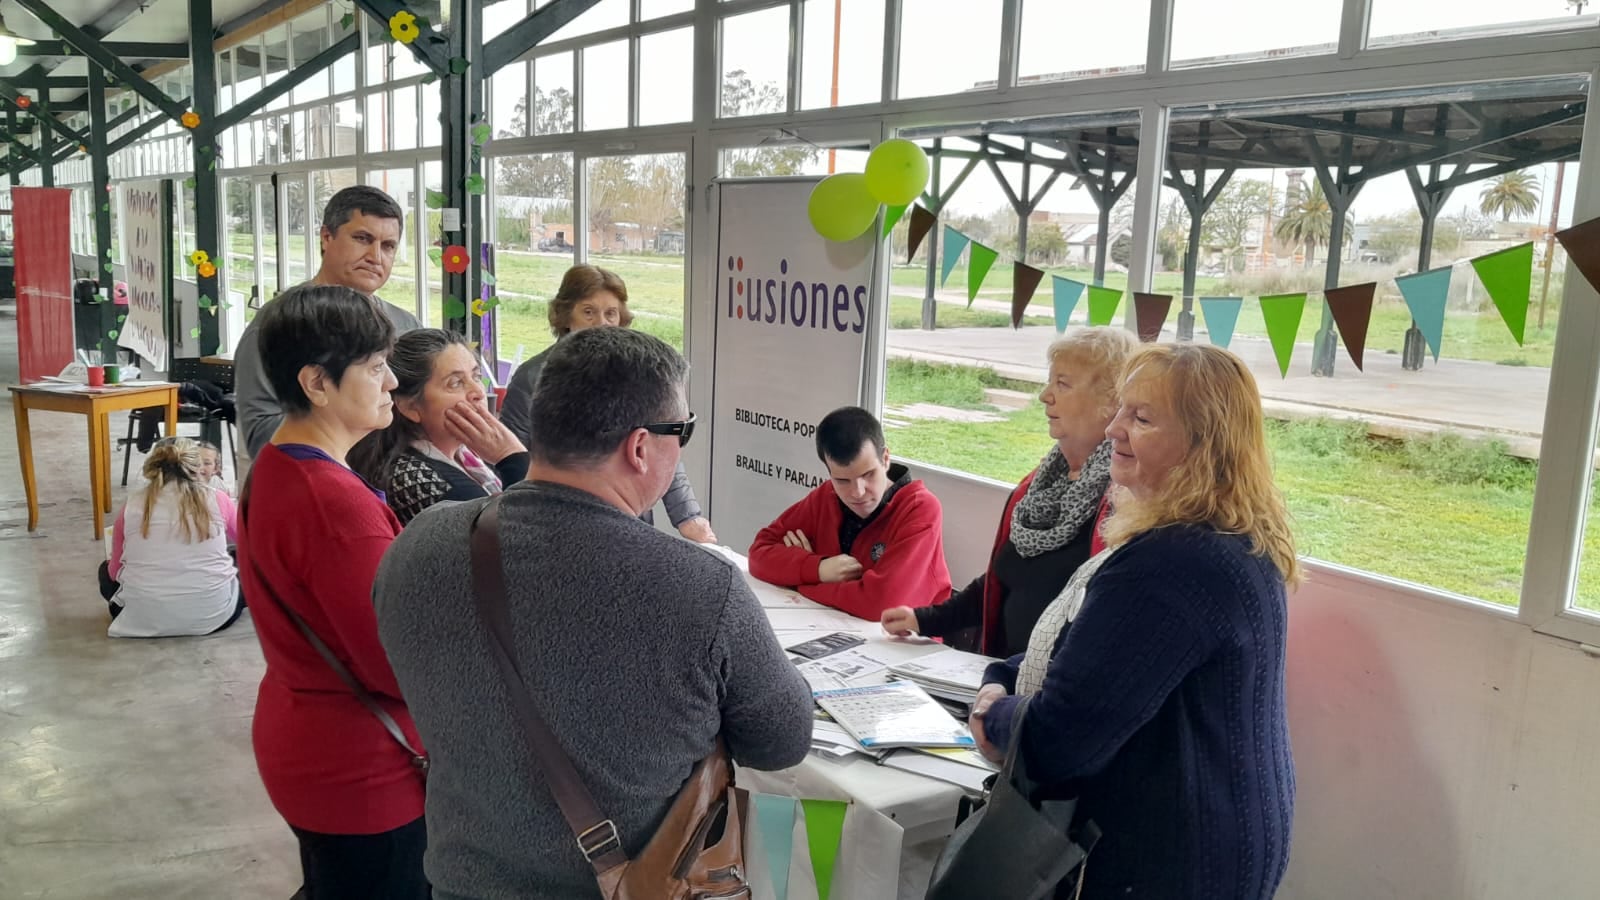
[{"x": 43, "y": 252}]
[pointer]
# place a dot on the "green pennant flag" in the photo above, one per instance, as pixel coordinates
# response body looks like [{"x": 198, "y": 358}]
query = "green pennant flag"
[
  {"x": 1508, "y": 277},
  {"x": 824, "y": 826},
  {"x": 978, "y": 264},
  {"x": 1103, "y": 303},
  {"x": 1282, "y": 313},
  {"x": 891, "y": 217}
]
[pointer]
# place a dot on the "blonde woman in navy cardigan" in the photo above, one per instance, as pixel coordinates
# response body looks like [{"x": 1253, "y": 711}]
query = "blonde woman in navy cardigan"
[{"x": 1156, "y": 679}]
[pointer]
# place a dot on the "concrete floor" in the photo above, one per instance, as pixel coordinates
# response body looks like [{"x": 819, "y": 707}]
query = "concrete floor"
[{"x": 125, "y": 765}]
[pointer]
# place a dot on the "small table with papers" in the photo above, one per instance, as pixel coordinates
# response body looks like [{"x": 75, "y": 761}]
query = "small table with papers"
[
  {"x": 94, "y": 404},
  {"x": 888, "y": 855}
]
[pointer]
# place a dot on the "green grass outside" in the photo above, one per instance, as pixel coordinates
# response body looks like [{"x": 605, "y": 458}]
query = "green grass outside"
[{"x": 1442, "y": 512}]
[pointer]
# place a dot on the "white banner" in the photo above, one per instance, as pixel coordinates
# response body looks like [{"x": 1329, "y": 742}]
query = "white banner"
[
  {"x": 143, "y": 230},
  {"x": 790, "y": 344}
]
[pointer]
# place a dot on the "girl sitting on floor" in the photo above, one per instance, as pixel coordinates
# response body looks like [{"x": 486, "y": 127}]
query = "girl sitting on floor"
[{"x": 170, "y": 572}]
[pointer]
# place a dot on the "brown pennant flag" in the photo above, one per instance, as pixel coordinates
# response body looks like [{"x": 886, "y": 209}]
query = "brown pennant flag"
[
  {"x": 1024, "y": 281},
  {"x": 921, "y": 223},
  {"x": 1582, "y": 243},
  {"x": 1151, "y": 311},
  {"x": 1351, "y": 306}
]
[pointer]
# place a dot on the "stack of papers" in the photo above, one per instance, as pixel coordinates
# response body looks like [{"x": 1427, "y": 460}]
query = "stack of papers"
[
  {"x": 950, "y": 674},
  {"x": 964, "y": 768},
  {"x": 897, "y": 714},
  {"x": 828, "y": 739}
]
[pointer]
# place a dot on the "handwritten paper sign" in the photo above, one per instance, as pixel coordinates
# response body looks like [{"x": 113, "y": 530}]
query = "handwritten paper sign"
[{"x": 144, "y": 228}]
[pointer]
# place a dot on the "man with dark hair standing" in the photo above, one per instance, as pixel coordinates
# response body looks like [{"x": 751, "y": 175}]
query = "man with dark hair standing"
[
  {"x": 361, "y": 230},
  {"x": 869, "y": 539},
  {"x": 639, "y": 649}
]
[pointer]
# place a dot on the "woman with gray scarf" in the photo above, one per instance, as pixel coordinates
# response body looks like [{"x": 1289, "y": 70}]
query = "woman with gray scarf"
[{"x": 1050, "y": 523}]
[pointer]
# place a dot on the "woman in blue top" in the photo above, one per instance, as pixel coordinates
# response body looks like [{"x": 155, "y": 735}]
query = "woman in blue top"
[{"x": 1156, "y": 678}]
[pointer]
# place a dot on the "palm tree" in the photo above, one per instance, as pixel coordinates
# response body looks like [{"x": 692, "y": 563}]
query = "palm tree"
[
  {"x": 1513, "y": 192},
  {"x": 1310, "y": 222}
]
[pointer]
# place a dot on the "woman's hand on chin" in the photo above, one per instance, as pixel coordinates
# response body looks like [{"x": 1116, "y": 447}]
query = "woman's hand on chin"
[{"x": 479, "y": 431}]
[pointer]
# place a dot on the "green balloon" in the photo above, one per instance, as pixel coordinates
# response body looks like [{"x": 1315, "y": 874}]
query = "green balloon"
[
  {"x": 897, "y": 171},
  {"x": 841, "y": 208}
]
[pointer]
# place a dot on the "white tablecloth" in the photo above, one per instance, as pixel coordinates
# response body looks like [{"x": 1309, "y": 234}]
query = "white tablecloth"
[{"x": 898, "y": 820}]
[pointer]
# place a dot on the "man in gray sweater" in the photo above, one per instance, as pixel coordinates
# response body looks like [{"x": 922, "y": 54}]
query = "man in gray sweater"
[
  {"x": 638, "y": 648},
  {"x": 361, "y": 231}
]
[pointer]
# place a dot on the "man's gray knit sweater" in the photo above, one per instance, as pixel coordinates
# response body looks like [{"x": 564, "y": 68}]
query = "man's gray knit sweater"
[{"x": 639, "y": 649}]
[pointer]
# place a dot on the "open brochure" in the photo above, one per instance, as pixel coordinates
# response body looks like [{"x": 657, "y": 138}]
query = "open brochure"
[{"x": 897, "y": 714}]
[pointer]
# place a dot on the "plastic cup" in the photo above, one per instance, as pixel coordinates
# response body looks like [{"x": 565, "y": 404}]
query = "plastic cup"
[
  {"x": 97, "y": 376},
  {"x": 113, "y": 374}
]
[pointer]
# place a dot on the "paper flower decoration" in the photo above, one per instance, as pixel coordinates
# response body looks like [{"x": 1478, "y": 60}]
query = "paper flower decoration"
[
  {"x": 403, "y": 27},
  {"x": 24, "y": 101},
  {"x": 206, "y": 269},
  {"x": 83, "y": 148},
  {"x": 199, "y": 258},
  {"x": 190, "y": 119},
  {"x": 455, "y": 259},
  {"x": 478, "y": 308}
]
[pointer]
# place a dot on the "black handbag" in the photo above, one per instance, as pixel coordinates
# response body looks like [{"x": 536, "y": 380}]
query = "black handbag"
[{"x": 1011, "y": 848}]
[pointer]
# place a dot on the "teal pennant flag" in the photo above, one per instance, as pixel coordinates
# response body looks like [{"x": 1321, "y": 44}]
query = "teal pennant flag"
[
  {"x": 954, "y": 243},
  {"x": 1067, "y": 293},
  {"x": 1426, "y": 293},
  {"x": 775, "y": 820},
  {"x": 1222, "y": 316}
]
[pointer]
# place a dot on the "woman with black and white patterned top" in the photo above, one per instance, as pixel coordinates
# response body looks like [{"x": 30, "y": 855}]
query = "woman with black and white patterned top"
[{"x": 443, "y": 444}]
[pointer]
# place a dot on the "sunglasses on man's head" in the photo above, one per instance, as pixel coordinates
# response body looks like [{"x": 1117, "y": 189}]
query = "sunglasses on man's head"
[{"x": 684, "y": 430}]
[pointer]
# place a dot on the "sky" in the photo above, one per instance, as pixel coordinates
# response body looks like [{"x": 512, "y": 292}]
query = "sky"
[{"x": 949, "y": 46}]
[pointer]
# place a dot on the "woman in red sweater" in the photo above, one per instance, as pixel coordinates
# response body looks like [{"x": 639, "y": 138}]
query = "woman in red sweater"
[
  {"x": 311, "y": 534},
  {"x": 1051, "y": 520}
]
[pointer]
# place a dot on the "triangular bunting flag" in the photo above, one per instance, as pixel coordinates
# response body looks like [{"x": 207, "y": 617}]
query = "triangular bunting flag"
[
  {"x": 1508, "y": 277},
  {"x": 1426, "y": 293},
  {"x": 954, "y": 243},
  {"x": 1582, "y": 243},
  {"x": 921, "y": 223},
  {"x": 1351, "y": 306},
  {"x": 1067, "y": 293},
  {"x": 978, "y": 269},
  {"x": 775, "y": 821},
  {"x": 1150, "y": 311},
  {"x": 1221, "y": 315},
  {"x": 1282, "y": 314},
  {"x": 891, "y": 216},
  {"x": 1103, "y": 303},
  {"x": 1024, "y": 281},
  {"x": 824, "y": 825}
]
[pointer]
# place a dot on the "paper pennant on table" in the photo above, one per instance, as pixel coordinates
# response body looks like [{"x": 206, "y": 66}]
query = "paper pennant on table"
[
  {"x": 1150, "y": 312},
  {"x": 891, "y": 217},
  {"x": 1221, "y": 315},
  {"x": 775, "y": 821},
  {"x": 1103, "y": 303},
  {"x": 1426, "y": 293},
  {"x": 1024, "y": 281},
  {"x": 1508, "y": 277},
  {"x": 1351, "y": 306},
  {"x": 1067, "y": 294},
  {"x": 922, "y": 222},
  {"x": 824, "y": 825},
  {"x": 978, "y": 265},
  {"x": 1282, "y": 314},
  {"x": 954, "y": 243},
  {"x": 1582, "y": 243}
]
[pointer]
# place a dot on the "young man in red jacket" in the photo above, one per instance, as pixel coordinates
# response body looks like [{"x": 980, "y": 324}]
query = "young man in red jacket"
[{"x": 868, "y": 540}]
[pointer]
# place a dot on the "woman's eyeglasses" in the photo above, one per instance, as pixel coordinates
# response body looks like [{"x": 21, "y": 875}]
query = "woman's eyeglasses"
[{"x": 684, "y": 430}]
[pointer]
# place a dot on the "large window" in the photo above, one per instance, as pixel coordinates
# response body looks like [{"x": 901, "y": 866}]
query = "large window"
[
  {"x": 949, "y": 47},
  {"x": 1401, "y": 21},
  {"x": 1204, "y": 34},
  {"x": 636, "y": 228},
  {"x": 1120, "y": 39},
  {"x": 535, "y": 243}
]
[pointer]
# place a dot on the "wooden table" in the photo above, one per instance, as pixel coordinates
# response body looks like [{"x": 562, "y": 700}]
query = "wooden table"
[{"x": 93, "y": 405}]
